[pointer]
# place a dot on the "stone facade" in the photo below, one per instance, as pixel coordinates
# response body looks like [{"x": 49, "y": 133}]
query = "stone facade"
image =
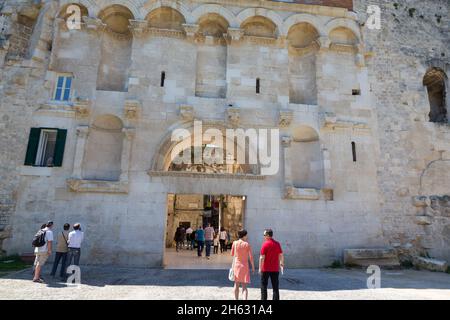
[{"x": 359, "y": 157}]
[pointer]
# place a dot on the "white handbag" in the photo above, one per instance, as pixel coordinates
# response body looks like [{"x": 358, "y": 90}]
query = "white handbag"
[{"x": 231, "y": 272}]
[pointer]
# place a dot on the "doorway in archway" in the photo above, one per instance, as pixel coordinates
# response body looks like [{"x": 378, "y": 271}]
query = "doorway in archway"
[{"x": 186, "y": 214}]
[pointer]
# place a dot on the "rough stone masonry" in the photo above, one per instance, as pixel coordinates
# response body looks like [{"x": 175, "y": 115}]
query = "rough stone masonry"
[{"x": 86, "y": 118}]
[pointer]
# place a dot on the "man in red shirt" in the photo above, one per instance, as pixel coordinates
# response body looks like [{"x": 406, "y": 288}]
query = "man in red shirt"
[{"x": 270, "y": 261}]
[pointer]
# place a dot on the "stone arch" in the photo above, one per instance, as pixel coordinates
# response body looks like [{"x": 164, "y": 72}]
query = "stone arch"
[
  {"x": 268, "y": 14},
  {"x": 130, "y": 5},
  {"x": 116, "y": 17},
  {"x": 308, "y": 170},
  {"x": 206, "y": 9},
  {"x": 213, "y": 24},
  {"x": 303, "y": 18},
  {"x": 162, "y": 159},
  {"x": 302, "y": 35},
  {"x": 166, "y": 18},
  {"x": 103, "y": 155},
  {"x": 343, "y": 36},
  {"x": 62, "y": 11},
  {"x": 176, "y": 5},
  {"x": 344, "y": 23},
  {"x": 435, "y": 177},
  {"x": 436, "y": 81},
  {"x": 259, "y": 26}
]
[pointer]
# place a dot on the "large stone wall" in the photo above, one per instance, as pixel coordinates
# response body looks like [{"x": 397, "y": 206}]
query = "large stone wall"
[
  {"x": 400, "y": 155},
  {"x": 413, "y": 34}
]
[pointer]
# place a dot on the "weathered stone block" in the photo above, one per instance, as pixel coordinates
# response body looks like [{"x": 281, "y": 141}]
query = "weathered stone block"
[
  {"x": 430, "y": 264},
  {"x": 383, "y": 257}
]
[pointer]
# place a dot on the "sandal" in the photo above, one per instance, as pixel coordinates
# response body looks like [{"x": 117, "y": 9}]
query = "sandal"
[{"x": 38, "y": 281}]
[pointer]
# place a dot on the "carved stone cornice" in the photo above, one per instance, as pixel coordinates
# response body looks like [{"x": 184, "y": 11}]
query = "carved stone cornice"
[
  {"x": 93, "y": 24},
  {"x": 286, "y": 117},
  {"x": 187, "y": 112},
  {"x": 138, "y": 27},
  {"x": 167, "y": 33},
  {"x": 132, "y": 109},
  {"x": 233, "y": 116},
  {"x": 96, "y": 186},
  {"x": 82, "y": 108},
  {"x": 235, "y": 34},
  {"x": 191, "y": 31}
]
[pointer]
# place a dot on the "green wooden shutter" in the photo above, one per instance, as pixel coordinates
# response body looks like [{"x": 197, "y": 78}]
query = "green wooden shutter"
[
  {"x": 59, "y": 147},
  {"x": 33, "y": 145}
]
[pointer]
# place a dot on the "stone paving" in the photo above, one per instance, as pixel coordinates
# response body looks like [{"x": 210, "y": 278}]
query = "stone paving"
[{"x": 133, "y": 283}]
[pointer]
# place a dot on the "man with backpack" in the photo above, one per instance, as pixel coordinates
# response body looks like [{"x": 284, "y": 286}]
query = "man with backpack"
[
  {"x": 61, "y": 251},
  {"x": 43, "y": 241}
]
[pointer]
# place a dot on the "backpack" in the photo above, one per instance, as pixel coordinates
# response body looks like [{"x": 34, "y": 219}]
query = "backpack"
[{"x": 39, "y": 239}]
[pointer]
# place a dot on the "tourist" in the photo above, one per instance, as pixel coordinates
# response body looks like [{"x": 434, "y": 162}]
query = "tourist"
[
  {"x": 179, "y": 238},
  {"x": 200, "y": 238},
  {"x": 193, "y": 239},
  {"x": 223, "y": 239},
  {"x": 188, "y": 237},
  {"x": 209, "y": 238},
  {"x": 270, "y": 261},
  {"x": 43, "y": 242},
  {"x": 242, "y": 252},
  {"x": 76, "y": 237},
  {"x": 61, "y": 251},
  {"x": 216, "y": 241}
]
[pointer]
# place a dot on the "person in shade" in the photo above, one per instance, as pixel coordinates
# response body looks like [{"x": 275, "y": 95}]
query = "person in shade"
[
  {"x": 223, "y": 240},
  {"x": 179, "y": 238},
  {"x": 200, "y": 238},
  {"x": 61, "y": 251},
  {"x": 242, "y": 253},
  {"x": 270, "y": 261},
  {"x": 209, "y": 238}
]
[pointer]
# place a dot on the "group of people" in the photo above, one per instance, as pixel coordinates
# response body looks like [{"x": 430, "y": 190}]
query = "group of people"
[
  {"x": 202, "y": 238},
  {"x": 68, "y": 249},
  {"x": 271, "y": 262}
]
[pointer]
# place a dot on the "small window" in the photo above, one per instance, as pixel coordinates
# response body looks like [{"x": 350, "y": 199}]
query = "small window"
[
  {"x": 63, "y": 88},
  {"x": 354, "y": 151},
  {"x": 356, "y": 92},
  {"x": 258, "y": 86},
  {"x": 163, "y": 78},
  {"x": 46, "y": 147}
]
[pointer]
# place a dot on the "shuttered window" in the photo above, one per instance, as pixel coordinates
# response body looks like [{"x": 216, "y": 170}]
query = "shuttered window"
[{"x": 46, "y": 147}]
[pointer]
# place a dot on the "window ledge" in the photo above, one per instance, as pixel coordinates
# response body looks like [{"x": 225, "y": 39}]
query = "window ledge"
[
  {"x": 36, "y": 171},
  {"x": 205, "y": 175},
  {"x": 55, "y": 108},
  {"x": 294, "y": 193},
  {"x": 97, "y": 186}
]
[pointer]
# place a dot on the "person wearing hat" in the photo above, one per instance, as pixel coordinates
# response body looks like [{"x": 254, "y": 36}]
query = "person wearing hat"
[
  {"x": 44, "y": 252},
  {"x": 74, "y": 243}
]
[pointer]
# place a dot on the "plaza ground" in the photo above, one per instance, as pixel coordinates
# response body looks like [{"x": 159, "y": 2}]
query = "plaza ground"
[{"x": 189, "y": 284}]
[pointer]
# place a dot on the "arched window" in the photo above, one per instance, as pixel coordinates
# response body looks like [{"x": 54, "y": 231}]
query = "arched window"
[{"x": 435, "y": 80}]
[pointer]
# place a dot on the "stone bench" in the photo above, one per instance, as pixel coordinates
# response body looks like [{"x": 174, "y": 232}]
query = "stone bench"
[{"x": 383, "y": 257}]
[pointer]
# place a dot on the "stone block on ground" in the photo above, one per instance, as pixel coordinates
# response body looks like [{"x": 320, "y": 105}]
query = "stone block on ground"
[
  {"x": 383, "y": 257},
  {"x": 430, "y": 264}
]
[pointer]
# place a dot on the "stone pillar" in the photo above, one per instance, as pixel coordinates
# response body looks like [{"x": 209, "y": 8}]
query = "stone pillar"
[
  {"x": 82, "y": 134},
  {"x": 126, "y": 153},
  {"x": 327, "y": 180},
  {"x": 286, "y": 143}
]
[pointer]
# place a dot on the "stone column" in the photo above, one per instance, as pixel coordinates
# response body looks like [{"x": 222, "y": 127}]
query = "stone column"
[
  {"x": 286, "y": 143},
  {"x": 82, "y": 134},
  {"x": 327, "y": 180},
  {"x": 128, "y": 137}
]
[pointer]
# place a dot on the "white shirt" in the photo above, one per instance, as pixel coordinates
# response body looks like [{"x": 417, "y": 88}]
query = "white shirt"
[
  {"x": 75, "y": 239},
  {"x": 189, "y": 230},
  {"x": 48, "y": 237},
  {"x": 223, "y": 235}
]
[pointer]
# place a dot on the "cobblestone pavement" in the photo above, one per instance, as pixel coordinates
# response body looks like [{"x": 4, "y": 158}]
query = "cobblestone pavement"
[{"x": 134, "y": 283}]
